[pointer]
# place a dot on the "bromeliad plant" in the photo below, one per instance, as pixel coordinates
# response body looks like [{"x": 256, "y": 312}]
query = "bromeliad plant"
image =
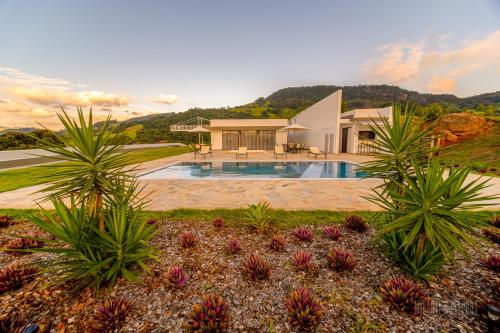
[
  {"x": 355, "y": 223},
  {"x": 256, "y": 268},
  {"x": 332, "y": 232},
  {"x": 111, "y": 316},
  {"x": 403, "y": 294},
  {"x": 5, "y": 221},
  {"x": 211, "y": 315},
  {"x": 176, "y": 277},
  {"x": 304, "y": 310},
  {"x": 234, "y": 246},
  {"x": 277, "y": 243},
  {"x": 188, "y": 239},
  {"x": 303, "y": 234},
  {"x": 340, "y": 260},
  {"x": 259, "y": 217},
  {"x": 218, "y": 222},
  {"x": 492, "y": 262},
  {"x": 23, "y": 242},
  {"x": 14, "y": 277},
  {"x": 302, "y": 261}
]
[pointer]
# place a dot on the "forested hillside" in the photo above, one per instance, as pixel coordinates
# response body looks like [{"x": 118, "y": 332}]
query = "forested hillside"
[{"x": 287, "y": 102}]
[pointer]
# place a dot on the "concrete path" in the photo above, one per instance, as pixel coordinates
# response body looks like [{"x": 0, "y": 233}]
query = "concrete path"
[
  {"x": 13, "y": 159},
  {"x": 290, "y": 194}
]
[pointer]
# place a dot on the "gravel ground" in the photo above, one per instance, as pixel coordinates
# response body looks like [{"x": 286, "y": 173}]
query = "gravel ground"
[{"x": 258, "y": 306}]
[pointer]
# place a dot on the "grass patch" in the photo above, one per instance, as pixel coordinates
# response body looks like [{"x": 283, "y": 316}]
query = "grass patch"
[
  {"x": 285, "y": 219},
  {"x": 484, "y": 147},
  {"x": 29, "y": 176}
]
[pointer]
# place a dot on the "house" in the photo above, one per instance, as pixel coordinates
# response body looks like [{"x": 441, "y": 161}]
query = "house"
[
  {"x": 329, "y": 129},
  {"x": 334, "y": 131}
]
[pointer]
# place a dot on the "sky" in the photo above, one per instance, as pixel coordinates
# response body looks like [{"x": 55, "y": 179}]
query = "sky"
[{"x": 135, "y": 58}]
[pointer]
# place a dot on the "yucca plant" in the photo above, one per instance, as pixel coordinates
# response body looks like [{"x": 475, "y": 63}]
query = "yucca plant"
[
  {"x": 89, "y": 257},
  {"x": 422, "y": 265},
  {"x": 434, "y": 207},
  {"x": 259, "y": 217},
  {"x": 398, "y": 143},
  {"x": 93, "y": 164}
]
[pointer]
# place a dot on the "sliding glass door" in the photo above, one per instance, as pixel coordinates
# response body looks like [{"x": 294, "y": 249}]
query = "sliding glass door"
[{"x": 253, "y": 140}]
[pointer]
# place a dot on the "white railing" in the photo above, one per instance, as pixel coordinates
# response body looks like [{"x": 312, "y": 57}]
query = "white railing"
[{"x": 183, "y": 128}]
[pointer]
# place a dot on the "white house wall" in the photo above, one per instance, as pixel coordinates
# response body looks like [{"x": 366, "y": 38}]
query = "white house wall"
[{"x": 322, "y": 118}]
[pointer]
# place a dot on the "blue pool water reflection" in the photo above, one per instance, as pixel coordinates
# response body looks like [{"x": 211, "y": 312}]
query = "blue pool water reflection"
[{"x": 220, "y": 169}]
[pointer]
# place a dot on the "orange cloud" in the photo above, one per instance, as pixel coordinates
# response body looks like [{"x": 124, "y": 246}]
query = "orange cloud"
[
  {"x": 441, "y": 85},
  {"x": 422, "y": 66},
  {"x": 166, "y": 99}
]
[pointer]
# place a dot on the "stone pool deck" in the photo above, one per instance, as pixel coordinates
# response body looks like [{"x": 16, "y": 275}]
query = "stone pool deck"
[{"x": 290, "y": 194}]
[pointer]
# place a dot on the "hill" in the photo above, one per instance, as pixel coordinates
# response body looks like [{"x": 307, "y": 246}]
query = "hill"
[{"x": 287, "y": 102}]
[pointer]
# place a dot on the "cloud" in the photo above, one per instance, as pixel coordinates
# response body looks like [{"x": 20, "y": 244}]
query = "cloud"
[
  {"x": 166, "y": 99},
  {"x": 48, "y": 96},
  {"x": 441, "y": 85},
  {"x": 423, "y": 66}
]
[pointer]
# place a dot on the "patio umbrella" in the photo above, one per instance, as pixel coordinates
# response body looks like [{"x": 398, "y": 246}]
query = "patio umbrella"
[
  {"x": 199, "y": 129},
  {"x": 294, "y": 128}
]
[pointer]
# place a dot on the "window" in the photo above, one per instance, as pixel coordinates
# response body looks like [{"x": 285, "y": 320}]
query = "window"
[{"x": 366, "y": 135}]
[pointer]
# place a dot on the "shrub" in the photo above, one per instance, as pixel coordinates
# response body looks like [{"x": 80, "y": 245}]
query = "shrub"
[
  {"x": 23, "y": 243},
  {"x": 97, "y": 229},
  {"x": 340, "y": 260},
  {"x": 234, "y": 246},
  {"x": 492, "y": 233},
  {"x": 495, "y": 221},
  {"x": 13, "y": 322},
  {"x": 304, "y": 310},
  {"x": 301, "y": 260},
  {"x": 420, "y": 264},
  {"x": 256, "y": 268},
  {"x": 492, "y": 262},
  {"x": 5, "y": 221},
  {"x": 111, "y": 316},
  {"x": 403, "y": 294},
  {"x": 332, "y": 232},
  {"x": 211, "y": 315},
  {"x": 188, "y": 239},
  {"x": 14, "y": 277},
  {"x": 355, "y": 223},
  {"x": 218, "y": 222},
  {"x": 277, "y": 243},
  {"x": 304, "y": 234},
  {"x": 259, "y": 217},
  {"x": 176, "y": 277}
]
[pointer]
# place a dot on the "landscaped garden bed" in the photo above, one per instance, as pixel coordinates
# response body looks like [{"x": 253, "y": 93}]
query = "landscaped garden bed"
[{"x": 347, "y": 297}]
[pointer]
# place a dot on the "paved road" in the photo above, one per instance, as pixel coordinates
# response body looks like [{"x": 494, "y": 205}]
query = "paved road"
[{"x": 10, "y": 159}]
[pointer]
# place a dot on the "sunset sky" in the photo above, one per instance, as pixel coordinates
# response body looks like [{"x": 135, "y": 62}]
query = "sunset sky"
[{"x": 140, "y": 57}]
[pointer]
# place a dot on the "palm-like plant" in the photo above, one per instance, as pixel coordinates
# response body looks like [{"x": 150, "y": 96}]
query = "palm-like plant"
[
  {"x": 89, "y": 257},
  {"x": 93, "y": 164},
  {"x": 398, "y": 144},
  {"x": 434, "y": 207}
]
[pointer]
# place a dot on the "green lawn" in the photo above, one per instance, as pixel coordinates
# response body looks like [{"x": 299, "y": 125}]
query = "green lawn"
[
  {"x": 29, "y": 176},
  {"x": 233, "y": 217},
  {"x": 482, "y": 148}
]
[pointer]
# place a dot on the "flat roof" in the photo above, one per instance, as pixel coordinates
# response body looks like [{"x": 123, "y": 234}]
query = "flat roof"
[{"x": 236, "y": 123}]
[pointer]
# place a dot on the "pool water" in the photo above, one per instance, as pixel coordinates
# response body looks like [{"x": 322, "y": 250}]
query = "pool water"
[{"x": 220, "y": 169}]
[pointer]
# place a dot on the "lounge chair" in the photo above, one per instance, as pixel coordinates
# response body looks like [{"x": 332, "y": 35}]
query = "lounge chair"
[
  {"x": 315, "y": 151},
  {"x": 242, "y": 151},
  {"x": 204, "y": 151},
  {"x": 280, "y": 151}
]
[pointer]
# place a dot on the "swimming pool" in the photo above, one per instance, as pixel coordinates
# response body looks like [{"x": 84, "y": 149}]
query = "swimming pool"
[{"x": 232, "y": 169}]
